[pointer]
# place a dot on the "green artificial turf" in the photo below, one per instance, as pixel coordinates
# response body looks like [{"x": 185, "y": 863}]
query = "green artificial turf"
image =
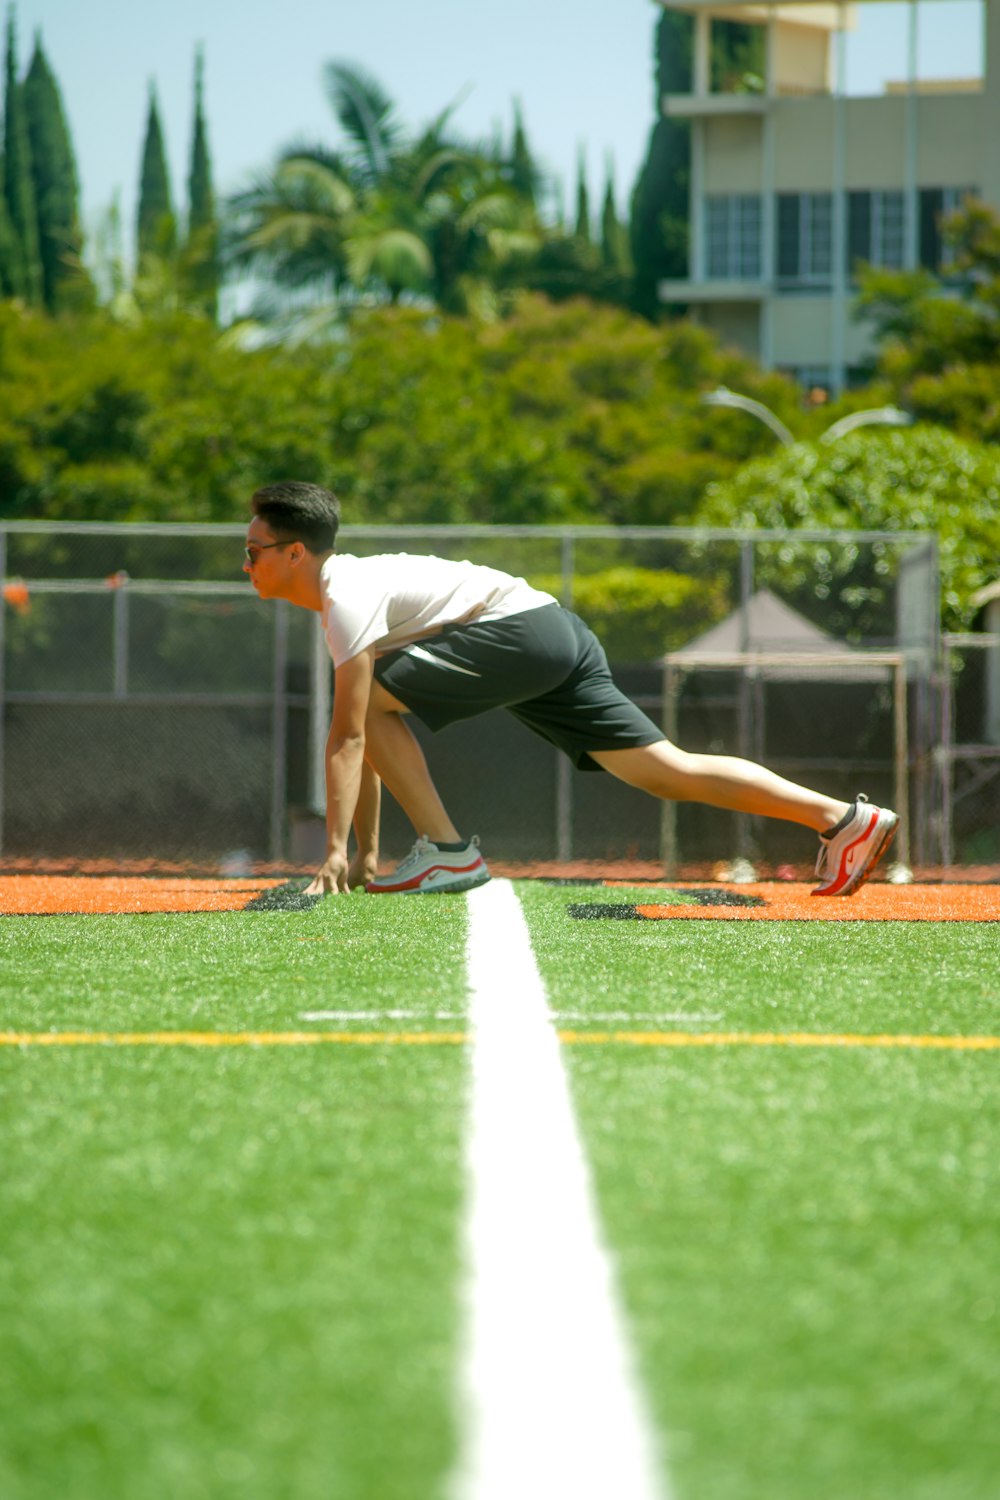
[
  {"x": 236, "y": 1272},
  {"x": 222, "y": 970},
  {"x": 231, "y": 1272},
  {"x": 849, "y": 976},
  {"x": 807, "y": 1240}
]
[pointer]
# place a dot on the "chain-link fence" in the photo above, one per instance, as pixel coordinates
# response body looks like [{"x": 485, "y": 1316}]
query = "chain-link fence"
[
  {"x": 968, "y": 751},
  {"x": 153, "y": 708}
]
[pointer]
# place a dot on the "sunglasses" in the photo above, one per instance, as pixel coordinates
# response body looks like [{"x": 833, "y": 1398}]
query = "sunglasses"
[{"x": 252, "y": 552}]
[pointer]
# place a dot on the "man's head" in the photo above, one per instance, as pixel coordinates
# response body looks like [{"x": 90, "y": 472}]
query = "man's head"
[
  {"x": 293, "y": 530},
  {"x": 299, "y": 513}
]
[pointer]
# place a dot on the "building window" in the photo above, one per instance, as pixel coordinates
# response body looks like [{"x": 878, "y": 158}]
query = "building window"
[
  {"x": 875, "y": 229},
  {"x": 935, "y": 206},
  {"x": 805, "y": 237},
  {"x": 732, "y": 237}
]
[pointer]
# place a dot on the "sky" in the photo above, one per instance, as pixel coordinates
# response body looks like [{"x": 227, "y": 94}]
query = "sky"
[{"x": 583, "y": 72}]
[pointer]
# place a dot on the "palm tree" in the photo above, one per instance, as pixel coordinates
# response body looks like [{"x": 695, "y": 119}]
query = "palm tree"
[{"x": 386, "y": 217}]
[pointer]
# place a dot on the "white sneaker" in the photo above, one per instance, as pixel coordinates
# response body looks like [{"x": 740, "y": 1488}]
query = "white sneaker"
[
  {"x": 848, "y": 857},
  {"x": 427, "y": 868}
]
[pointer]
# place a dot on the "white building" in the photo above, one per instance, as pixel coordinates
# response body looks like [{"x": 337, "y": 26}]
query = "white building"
[{"x": 794, "y": 183}]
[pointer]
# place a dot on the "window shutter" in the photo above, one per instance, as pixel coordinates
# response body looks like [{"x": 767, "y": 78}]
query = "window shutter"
[
  {"x": 789, "y": 213},
  {"x": 859, "y": 229},
  {"x": 931, "y": 208}
]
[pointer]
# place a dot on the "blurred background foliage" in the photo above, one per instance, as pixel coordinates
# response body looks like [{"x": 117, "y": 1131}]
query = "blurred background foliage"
[
  {"x": 570, "y": 412},
  {"x": 419, "y": 329}
]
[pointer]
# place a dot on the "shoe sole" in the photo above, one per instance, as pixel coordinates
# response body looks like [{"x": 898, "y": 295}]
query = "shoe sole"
[
  {"x": 442, "y": 886},
  {"x": 858, "y": 880}
]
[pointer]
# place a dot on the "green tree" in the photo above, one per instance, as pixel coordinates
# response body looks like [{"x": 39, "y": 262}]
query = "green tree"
[
  {"x": 523, "y": 174},
  {"x": 156, "y": 226},
  {"x": 659, "y": 217},
  {"x": 8, "y": 244},
  {"x": 387, "y": 215},
  {"x": 56, "y": 186},
  {"x": 203, "y": 234},
  {"x": 737, "y": 57},
  {"x": 582, "y": 229},
  {"x": 924, "y": 479},
  {"x": 568, "y": 412},
  {"x": 25, "y": 266},
  {"x": 614, "y": 238},
  {"x": 939, "y": 335}
]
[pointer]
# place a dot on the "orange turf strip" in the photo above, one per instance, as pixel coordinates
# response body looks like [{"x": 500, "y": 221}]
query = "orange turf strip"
[
  {"x": 795, "y": 902},
  {"x": 50, "y": 895}
]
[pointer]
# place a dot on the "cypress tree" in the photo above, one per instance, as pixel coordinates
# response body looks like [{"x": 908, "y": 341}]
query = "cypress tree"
[
  {"x": 8, "y": 244},
  {"x": 202, "y": 226},
  {"x": 613, "y": 248},
  {"x": 156, "y": 227},
  {"x": 55, "y": 180},
  {"x": 660, "y": 203},
  {"x": 523, "y": 171},
  {"x": 582, "y": 230},
  {"x": 25, "y": 263}
]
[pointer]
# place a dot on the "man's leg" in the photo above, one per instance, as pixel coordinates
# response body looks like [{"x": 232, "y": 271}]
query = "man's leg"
[
  {"x": 393, "y": 750},
  {"x": 720, "y": 781},
  {"x": 440, "y": 860}
]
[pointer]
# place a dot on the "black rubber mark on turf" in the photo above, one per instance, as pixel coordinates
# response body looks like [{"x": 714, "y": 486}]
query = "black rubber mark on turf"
[
  {"x": 710, "y": 896},
  {"x": 288, "y": 897},
  {"x": 617, "y": 913},
  {"x": 592, "y": 911}
]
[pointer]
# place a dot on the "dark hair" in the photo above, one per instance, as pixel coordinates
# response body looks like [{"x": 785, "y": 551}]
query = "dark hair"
[{"x": 299, "y": 513}]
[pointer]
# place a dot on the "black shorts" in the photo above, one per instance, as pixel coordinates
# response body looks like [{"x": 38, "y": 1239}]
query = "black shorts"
[{"x": 544, "y": 666}]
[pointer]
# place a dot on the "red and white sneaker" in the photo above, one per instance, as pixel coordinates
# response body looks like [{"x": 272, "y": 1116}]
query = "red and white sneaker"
[
  {"x": 848, "y": 857},
  {"x": 427, "y": 869}
]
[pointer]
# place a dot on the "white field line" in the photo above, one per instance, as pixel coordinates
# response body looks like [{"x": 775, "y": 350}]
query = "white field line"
[
  {"x": 382, "y": 1015},
  {"x": 554, "y": 1407},
  {"x": 555, "y": 1017}
]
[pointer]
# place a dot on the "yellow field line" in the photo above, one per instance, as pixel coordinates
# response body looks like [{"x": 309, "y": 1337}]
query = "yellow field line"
[
  {"x": 226, "y": 1038},
  {"x": 779, "y": 1039},
  {"x": 458, "y": 1038}
]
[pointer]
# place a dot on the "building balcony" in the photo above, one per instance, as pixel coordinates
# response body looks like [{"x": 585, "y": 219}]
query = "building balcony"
[
  {"x": 683, "y": 290},
  {"x": 701, "y": 106}
]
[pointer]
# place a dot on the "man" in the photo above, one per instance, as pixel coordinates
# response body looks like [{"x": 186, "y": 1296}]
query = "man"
[{"x": 449, "y": 640}]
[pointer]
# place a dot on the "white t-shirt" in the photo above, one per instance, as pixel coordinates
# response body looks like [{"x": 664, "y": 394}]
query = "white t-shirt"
[{"x": 395, "y": 599}]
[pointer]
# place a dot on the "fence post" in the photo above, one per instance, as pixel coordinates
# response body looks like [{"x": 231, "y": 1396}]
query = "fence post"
[
  {"x": 672, "y": 678},
  {"x": 279, "y": 733},
  {"x": 902, "y": 767},
  {"x": 564, "y": 771},
  {"x": 319, "y": 716},
  {"x": 746, "y": 844},
  {"x": 119, "y": 659},
  {"x": 3, "y": 675}
]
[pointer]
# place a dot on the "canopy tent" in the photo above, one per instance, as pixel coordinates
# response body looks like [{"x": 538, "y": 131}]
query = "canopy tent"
[{"x": 775, "y": 641}]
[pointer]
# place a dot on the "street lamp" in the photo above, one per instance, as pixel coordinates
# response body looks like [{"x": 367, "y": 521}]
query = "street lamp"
[
  {"x": 890, "y": 416},
  {"x": 723, "y": 396}
]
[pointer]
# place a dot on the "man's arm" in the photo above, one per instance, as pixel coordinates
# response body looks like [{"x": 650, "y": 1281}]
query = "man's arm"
[
  {"x": 345, "y": 758},
  {"x": 364, "y": 865}
]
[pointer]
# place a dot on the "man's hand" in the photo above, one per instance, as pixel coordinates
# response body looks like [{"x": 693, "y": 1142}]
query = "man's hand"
[
  {"x": 364, "y": 867},
  {"x": 332, "y": 877}
]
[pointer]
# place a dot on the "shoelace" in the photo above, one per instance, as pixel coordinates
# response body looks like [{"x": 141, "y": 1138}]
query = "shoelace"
[
  {"x": 421, "y": 847},
  {"x": 424, "y": 846}
]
